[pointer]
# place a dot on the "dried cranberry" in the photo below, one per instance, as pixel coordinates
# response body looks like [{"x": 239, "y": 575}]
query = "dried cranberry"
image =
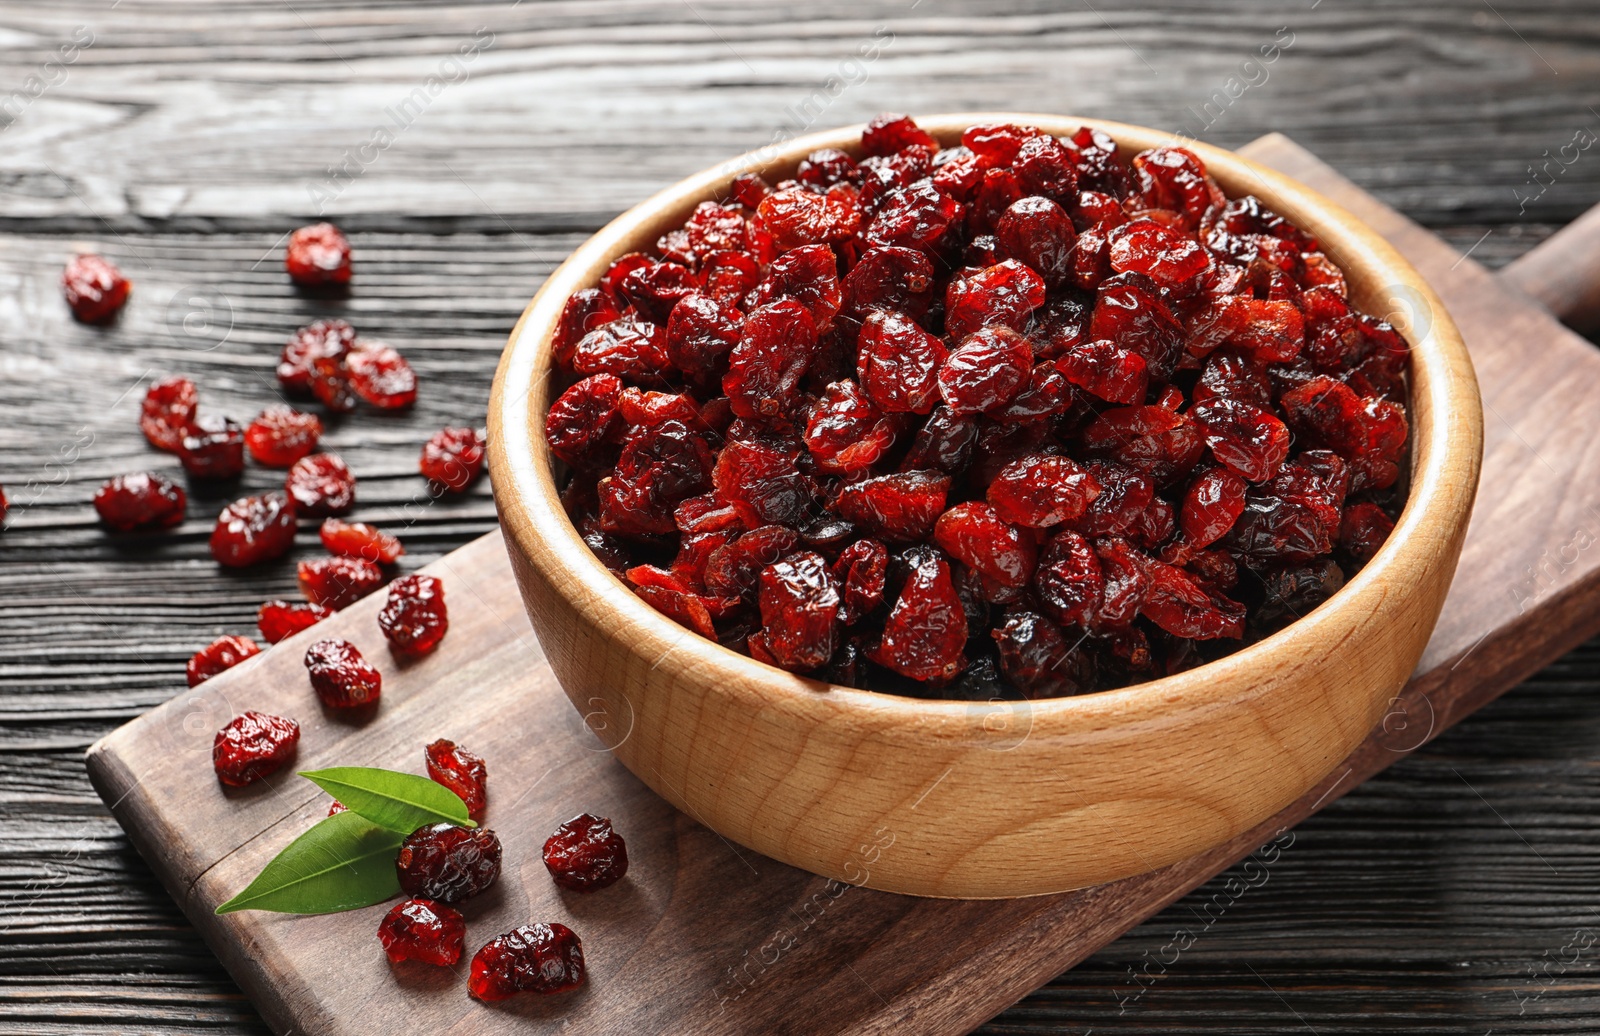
[
  {"x": 167, "y": 412},
  {"x": 899, "y": 364},
  {"x": 318, "y": 254},
  {"x": 360, "y": 540},
  {"x": 253, "y": 746},
  {"x": 280, "y": 620},
  {"x": 1039, "y": 491},
  {"x": 890, "y": 132},
  {"x": 796, "y": 216},
  {"x": 977, "y": 536},
  {"x": 423, "y": 930},
  {"x": 926, "y": 630},
  {"x": 212, "y": 447},
  {"x": 764, "y": 370},
  {"x": 462, "y": 772},
  {"x": 1035, "y": 656},
  {"x": 448, "y": 863},
  {"x": 94, "y": 288},
  {"x": 218, "y": 656},
  {"x": 282, "y": 435},
  {"x": 846, "y": 432},
  {"x": 338, "y": 582},
  {"x": 381, "y": 376},
  {"x": 735, "y": 567},
  {"x": 762, "y": 482},
  {"x": 583, "y": 419},
  {"x": 586, "y": 854},
  {"x": 1002, "y": 295},
  {"x": 1169, "y": 257},
  {"x": 748, "y": 189},
  {"x": 321, "y": 485},
  {"x": 985, "y": 371},
  {"x": 341, "y": 677},
  {"x": 414, "y": 618},
  {"x": 660, "y": 467},
  {"x": 534, "y": 958},
  {"x": 1363, "y": 530},
  {"x": 918, "y": 216},
  {"x": 327, "y": 340},
  {"x": 799, "y": 612},
  {"x": 145, "y": 499},
  {"x": 453, "y": 458},
  {"x": 1244, "y": 437},
  {"x": 253, "y": 529},
  {"x": 902, "y": 506}
]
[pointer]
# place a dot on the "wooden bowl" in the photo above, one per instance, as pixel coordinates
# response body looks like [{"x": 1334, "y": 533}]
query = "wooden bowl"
[{"x": 1013, "y": 798}]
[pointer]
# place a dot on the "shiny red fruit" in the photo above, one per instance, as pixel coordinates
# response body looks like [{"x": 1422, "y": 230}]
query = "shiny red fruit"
[
  {"x": 338, "y": 582},
  {"x": 535, "y": 958},
  {"x": 94, "y": 288},
  {"x": 381, "y": 376},
  {"x": 414, "y": 618},
  {"x": 318, "y": 254},
  {"x": 586, "y": 854},
  {"x": 219, "y": 656},
  {"x": 281, "y": 435},
  {"x": 321, "y": 485},
  {"x": 253, "y": 529},
  {"x": 253, "y": 746},
  {"x": 448, "y": 863},
  {"x": 279, "y": 620},
  {"x": 168, "y": 410},
  {"x": 341, "y": 677},
  {"x": 423, "y": 930},
  {"x": 453, "y": 458},
  {"x": 462, "y": 772},
  {"x": 212, "y": 448},
  {"x": 360, "y": 540},
  {"x": 142, "y": 500}
]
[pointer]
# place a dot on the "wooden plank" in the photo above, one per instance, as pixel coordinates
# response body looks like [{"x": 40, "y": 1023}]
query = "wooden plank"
[{"x": 707, "y": 937}]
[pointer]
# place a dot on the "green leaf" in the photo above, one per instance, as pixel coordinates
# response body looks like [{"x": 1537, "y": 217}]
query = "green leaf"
[
  {"x": 345, "y": 862},
  {"x": 398, "y": 801}
]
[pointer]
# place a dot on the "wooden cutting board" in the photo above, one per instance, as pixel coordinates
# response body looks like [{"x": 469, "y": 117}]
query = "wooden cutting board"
[{"x": 707, "y": 937}]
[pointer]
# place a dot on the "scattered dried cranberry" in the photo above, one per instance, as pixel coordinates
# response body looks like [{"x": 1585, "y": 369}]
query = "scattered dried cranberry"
[
  {"x": 341, "y": 677},
  {"x": 360, "y": 540},
  {"x": 282, "y": 435},
  {"x": 462, "y": 772},
  {"x": 585, "y": 854},
  {"x": 423, "y": 930},
  {"x": 534, "y": 958},
  {"x": 321, "y": 485},
  {"x": 1017, "y": 417},
  {"x": 318, "y": 254},
  {"x": 95, "y": 289},
  {"x": 221, "y": 654},
  {"x": 326, "y": 340},
  {"x": 253, "y": 529},
  {"x": 253, "y": 746},
  {"x": 338, "y": 582},
  {"x": 212, "y": 447},
  {"x": 167, "y": 412},
  {"x": 280, "y": 620},
  {"x": 131, "y": 501},
  {"x": 381, "y": 376},
  {"x": 448, "y": 863},
  {"x": 414, "y": 618},
  {"x": 453, "y": 458}
]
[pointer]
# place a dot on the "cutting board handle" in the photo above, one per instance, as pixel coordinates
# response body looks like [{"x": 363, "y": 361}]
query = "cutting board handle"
[{"x": 1563, "y": 272}]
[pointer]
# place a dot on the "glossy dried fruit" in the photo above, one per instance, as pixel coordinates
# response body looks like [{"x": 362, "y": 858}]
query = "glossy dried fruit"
[
  {"x": 143, "y": 500},
  {"x": 453, "y": 458},
  {"x": 586, "y": 854},
  {"x": 327, "y": 341},
  {"x": 280, "y": 620},
  {"x": 318, "y": 254},
  {"x": 212, "y": 448},
  {"x": 341, "y": 677},
  {"x": 168, "y": 409},
  {"x": 448, "y": 863},
  {"x": 414, "y": 618},
  {"x": 1124, "y": 412},
  {"x": 281, "y": 435},
  {"x": 253, "y": 746},
  {"x": 360, "y": 540},
  {"x": 94, "y": 288},
  {"x": 321, "y": 485},
  {"x": 534, "y": 958},
  {"x": 338, "y": 582},
  {"x": 253, "y": 529},
  {"x": 219, "y": 656},
  {"x": 462, "y": 772},
  {"x": 423, "y": 930},
  {"x": 381, "y": 376}
]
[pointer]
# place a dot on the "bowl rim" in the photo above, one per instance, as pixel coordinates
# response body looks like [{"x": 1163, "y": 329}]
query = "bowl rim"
[{"x": 1445, "y": 454}]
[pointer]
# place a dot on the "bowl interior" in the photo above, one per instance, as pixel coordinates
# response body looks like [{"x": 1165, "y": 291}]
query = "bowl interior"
[{"x": 1442, "y": 473}]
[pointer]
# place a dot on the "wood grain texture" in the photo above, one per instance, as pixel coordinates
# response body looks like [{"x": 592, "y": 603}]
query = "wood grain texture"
[
  {"x": 800, "y": 954},
  {"x": 1416, "y": 905}
]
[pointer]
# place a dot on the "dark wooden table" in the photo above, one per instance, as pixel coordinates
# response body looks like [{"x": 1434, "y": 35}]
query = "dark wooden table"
[{"x": 1455, "y": 893}]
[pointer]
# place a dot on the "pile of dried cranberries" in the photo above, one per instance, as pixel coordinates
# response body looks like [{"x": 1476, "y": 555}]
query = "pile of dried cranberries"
[{"x": 1013, "y": 417}]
